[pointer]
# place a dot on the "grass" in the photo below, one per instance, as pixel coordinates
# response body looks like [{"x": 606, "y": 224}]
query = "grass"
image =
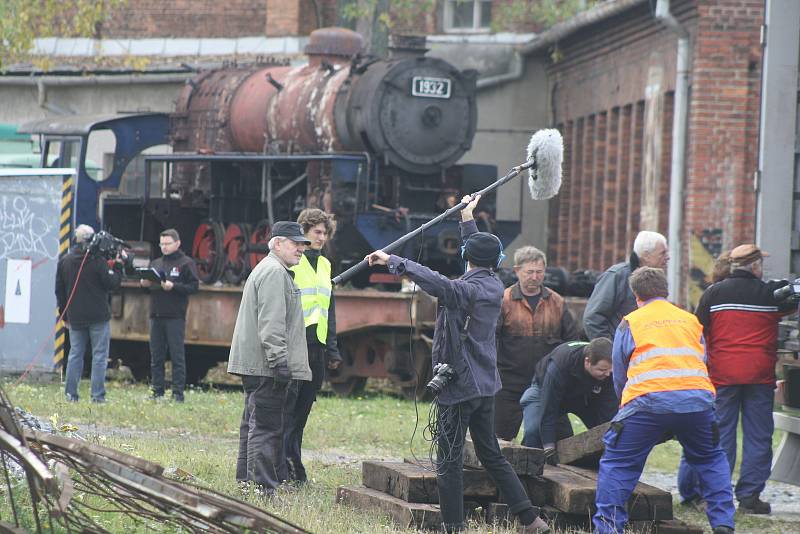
[{"x": 201, "y": 437}]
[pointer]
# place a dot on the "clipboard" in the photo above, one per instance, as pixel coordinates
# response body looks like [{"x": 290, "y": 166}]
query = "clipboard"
[{"x": 148, "y": 273}]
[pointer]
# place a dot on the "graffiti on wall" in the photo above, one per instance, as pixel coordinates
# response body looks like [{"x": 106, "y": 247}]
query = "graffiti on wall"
[{"x": 705, "y": 248}]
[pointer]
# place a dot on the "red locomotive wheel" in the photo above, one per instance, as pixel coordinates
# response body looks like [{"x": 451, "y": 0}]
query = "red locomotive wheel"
[
  {"x": 259, "y": 238},
  {"x": 207, "y": 251},
  {"x": 237, "y": 265}
]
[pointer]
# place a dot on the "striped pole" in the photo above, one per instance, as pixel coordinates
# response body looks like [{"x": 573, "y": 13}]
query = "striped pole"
[{"x": 63, "y": 247}]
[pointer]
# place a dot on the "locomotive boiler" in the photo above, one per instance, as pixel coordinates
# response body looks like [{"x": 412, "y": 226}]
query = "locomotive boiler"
[{"x": 373, "y": 140}]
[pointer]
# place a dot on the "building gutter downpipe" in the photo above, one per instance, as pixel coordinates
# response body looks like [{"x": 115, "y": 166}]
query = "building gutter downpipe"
[{"x": 678, "y": 164}]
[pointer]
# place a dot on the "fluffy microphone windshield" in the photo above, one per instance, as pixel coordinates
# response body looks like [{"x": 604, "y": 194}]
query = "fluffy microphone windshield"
[{"x": 546, "y": 149}]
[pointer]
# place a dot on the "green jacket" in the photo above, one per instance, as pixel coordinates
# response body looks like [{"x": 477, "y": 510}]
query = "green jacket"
[{"x": 269, "y": 327}]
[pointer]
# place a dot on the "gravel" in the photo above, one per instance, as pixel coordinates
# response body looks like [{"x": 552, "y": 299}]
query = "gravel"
[{"x": 783, "y": 497}]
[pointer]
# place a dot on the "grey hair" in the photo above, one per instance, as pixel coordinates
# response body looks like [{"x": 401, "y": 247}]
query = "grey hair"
[
  {"x": 528, "y": 254},
  {"x": 274, "y": 240},
  {"x": 83, "y": 233},
  {"x": 646, "y": 242}
]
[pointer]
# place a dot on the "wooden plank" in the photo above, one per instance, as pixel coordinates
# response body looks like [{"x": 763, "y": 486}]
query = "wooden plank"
[
  {"x": 567, "y": 491},
  {"x": 524, "y": 460},
  {"x": 415, "y": 482},
  {"x": 407, "y": 515},
  {"x": 409, "y": 482},
  {"x": 646, "y": 503},
  {"x": 585, "y": 448}
]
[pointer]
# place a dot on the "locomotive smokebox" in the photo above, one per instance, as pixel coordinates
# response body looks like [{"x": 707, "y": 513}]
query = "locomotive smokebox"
[
  {"x": 416, "y": 113},
  {"x": 413, "y": 112}
]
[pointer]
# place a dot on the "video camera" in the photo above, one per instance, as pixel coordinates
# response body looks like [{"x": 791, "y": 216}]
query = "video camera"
[
  {"x": 790, "y": 291},
  {"x": 107, "y": 246}
]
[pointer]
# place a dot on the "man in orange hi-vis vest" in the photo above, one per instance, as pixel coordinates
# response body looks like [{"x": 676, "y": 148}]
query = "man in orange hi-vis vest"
[{"x": 660, "y": 375}]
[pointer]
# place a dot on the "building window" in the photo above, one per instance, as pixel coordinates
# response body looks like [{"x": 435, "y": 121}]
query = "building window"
[{"x": 467, "y": 15}]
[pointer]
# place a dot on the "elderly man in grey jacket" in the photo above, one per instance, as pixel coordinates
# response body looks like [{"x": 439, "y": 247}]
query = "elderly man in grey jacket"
[
  {"x": 612, "y": 298},
  {"x": 269, "y": 351}
]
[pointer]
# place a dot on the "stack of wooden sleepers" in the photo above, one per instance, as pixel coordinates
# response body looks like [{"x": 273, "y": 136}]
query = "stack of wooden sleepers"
[{"x": 406, "y": 491}]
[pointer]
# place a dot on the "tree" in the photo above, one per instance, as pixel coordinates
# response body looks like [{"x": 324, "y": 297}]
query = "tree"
[
  {"x": 376, "y": 19},
  {"x": 511, "y": 15},
  {"x": 23, "y": 21}
]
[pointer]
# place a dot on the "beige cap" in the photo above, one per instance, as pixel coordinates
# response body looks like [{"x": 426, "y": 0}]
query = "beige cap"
[{"x": 746, "y": 254}]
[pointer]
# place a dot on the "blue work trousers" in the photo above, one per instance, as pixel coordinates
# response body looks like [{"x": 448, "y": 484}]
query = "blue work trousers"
[
  {"x": 98, "y": 337},
  {"x": 754, "y": 402},
  {"x": 627, "y": 449}
]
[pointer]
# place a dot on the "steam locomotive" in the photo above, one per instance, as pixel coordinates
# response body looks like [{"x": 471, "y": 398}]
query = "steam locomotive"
[{"x": 372, "y": 140}]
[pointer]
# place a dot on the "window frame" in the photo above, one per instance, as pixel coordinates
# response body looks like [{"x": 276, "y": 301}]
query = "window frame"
[{"x": 447, "y": 19}]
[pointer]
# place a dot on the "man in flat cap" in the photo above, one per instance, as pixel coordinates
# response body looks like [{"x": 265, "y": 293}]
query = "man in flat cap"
[
  {"x": 740, "y": 319},
  {"x": 269, "y": 352}
]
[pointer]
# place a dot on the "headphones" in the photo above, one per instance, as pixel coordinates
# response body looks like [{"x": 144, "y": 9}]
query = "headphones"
[{"x": 500, "y": 257}]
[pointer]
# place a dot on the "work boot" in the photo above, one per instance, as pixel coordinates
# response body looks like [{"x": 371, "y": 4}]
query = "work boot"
[
  {"x": 723, "y": 530},
  {"x": 537, "y": 527},
  {"x": 754, "y": 505}
]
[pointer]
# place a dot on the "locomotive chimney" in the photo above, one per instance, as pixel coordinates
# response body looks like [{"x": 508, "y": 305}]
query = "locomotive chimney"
[
  {"x": 406, "y": 46},
  {"x": 333, "y": 45}
]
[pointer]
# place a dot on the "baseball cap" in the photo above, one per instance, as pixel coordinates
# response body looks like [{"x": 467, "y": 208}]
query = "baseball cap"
[
  {"x": 290, "y": 230},
  {"x": 746, "y": 254}
]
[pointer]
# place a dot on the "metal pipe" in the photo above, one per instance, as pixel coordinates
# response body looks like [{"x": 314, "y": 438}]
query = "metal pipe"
[
  {"x": 100, "y": 79},
  {"x": 224, "y": 156},
  {"x": 678, "y": 164},
  {"x": 515, "y": 72}
]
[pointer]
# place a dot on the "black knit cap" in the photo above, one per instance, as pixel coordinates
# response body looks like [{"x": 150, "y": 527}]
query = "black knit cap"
[{"x": 482, "y": 249}]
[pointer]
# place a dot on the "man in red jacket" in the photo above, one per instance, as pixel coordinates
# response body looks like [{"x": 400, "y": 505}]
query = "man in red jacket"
[{"x": 740, "y": 322}]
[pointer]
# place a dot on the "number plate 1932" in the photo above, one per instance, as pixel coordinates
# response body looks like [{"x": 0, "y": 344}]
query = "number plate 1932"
[{"x": 430, "y": 87}]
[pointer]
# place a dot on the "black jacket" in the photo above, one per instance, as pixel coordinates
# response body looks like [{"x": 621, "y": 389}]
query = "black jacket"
[
  {"x": 478, "y": 294},
  {"x": 566, "y": 387},
  {"x": 89, "y": 304},
  {"x": 179, "y": 269}
]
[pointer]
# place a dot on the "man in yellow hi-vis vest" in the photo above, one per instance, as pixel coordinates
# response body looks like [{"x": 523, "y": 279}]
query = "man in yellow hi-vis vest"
[
  {"x": 313, "y": 276},
  {"x": 660, "y": 375}
]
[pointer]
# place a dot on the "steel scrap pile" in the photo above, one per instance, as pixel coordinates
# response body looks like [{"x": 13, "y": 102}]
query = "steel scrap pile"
[{"x": 68, "y": 481}]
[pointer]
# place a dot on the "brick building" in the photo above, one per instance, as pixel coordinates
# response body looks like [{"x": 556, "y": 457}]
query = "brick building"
[{"x": 611, "y": 77}]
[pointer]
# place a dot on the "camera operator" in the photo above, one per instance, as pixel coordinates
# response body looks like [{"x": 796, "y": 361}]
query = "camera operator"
[
  {"x": 740, "y": 317},
  {"x": 87, "y": 314},
  {"x": 464, "y": 339}
]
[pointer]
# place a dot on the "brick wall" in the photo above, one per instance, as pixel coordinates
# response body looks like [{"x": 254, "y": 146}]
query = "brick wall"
[
  {"x": 608, "y": 83},
  {"x": 723, "y": 120},
  {"x": 186, "y": 18},
  {"x": 612, "y": 94},
  {"x": 207, "y": 18}
]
